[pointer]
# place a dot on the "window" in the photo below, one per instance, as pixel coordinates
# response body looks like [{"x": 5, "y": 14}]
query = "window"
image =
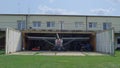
[
  {"x": 21, "y": 24},
  {"x": 106, "y": 25},
  {"x": 78, "y": 24},
  {"x": 36, "y": 24},
  {"x": 92, "y": 24},
  {"x": 50, "y": 24}
]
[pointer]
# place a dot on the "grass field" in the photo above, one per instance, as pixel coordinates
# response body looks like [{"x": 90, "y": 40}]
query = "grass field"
[
  {"x": 2, "y": 52},
  {"x": 34, "y": 61}
]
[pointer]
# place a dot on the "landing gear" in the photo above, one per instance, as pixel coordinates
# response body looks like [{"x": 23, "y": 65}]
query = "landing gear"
[{"x": 58, "y": 48}]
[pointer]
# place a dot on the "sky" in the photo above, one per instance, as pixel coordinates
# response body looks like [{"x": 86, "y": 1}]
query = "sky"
[{"x": 61, "y": 7}]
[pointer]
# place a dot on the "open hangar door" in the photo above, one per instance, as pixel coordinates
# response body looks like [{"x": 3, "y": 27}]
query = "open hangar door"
[
  {"x": 105, "y": 42},
  {"x": 13, "y": 41},
  {"x": 70, "y": 41}
]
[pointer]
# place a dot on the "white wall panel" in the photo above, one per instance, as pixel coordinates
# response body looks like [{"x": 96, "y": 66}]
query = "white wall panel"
[
  {"x": 13, "y": 41},
  {"x": 105, "y": 42}
]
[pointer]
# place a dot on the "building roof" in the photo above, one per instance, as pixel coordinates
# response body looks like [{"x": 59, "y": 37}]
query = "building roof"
[{"x": 56, "y": 15}]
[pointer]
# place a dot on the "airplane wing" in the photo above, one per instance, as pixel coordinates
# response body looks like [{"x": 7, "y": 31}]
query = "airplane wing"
[
  {"x": 53, "y": 38},
  {"x": 37, "y": 38},
  {"x": 70, "y": 38}
]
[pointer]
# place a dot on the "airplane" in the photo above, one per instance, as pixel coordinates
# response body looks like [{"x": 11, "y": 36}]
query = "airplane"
[{"x": 58, "y": 45}]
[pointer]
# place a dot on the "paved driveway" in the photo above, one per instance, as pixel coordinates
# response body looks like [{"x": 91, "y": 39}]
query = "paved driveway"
[{"x": 49, "y": 53}]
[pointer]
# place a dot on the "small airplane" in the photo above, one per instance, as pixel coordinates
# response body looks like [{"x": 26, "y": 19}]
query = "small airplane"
[{"x": 58, "y": 45}]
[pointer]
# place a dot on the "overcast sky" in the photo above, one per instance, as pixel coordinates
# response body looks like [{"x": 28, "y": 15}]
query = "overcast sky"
[{"x": 69, "y": 7}]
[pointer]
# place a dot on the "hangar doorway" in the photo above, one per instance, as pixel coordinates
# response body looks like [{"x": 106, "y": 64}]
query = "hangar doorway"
[
  {"x": 70, "y": 41},
  {"x": 2, "y": 42},
  {"x": 102, "y": 41}
]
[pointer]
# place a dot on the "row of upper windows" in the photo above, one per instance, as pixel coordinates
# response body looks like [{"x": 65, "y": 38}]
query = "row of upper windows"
[
  {"x": 106, "y": 25},
  {"x": 52, "y": 24},
  {"x": 36, "y": 24}
]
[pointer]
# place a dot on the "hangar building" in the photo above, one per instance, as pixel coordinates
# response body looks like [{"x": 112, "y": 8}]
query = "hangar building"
[{"x": 71, "y": 32}]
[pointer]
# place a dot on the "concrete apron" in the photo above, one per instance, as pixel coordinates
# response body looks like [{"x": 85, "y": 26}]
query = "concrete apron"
[{"x": 49, "y": 53}]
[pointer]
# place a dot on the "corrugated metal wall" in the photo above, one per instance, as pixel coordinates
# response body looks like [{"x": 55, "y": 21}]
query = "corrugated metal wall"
[
  {"x": 13, "y": 41},
  {"x": 105, "y": 42}
]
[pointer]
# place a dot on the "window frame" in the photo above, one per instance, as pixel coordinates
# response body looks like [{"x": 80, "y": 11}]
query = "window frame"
[
  {"x": 50, "y": 24},
  {"x": 21, "y": 24},
  {"x": 92, "y": 24},
  {"x": 36, "y": 24},
  {"x": 107, "y": 25}
]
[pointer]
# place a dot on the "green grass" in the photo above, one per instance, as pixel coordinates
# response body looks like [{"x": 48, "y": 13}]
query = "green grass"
[
  {"x": 34, "y": 61},
  {"x": 2, "y": 52}
]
